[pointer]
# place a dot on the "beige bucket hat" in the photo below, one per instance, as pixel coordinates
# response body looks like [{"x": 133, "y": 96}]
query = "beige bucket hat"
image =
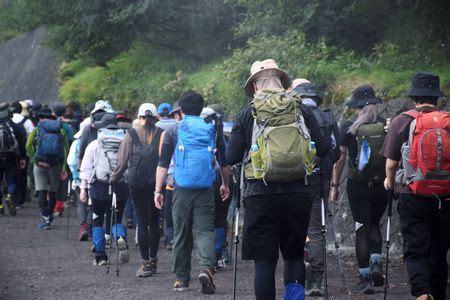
[
  {"x": 299, "y": 81},
  {"x": 265, "y": 68}
]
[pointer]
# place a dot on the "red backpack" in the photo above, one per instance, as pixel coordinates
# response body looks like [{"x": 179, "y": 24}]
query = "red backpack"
[{"x": 427, "y": 168}]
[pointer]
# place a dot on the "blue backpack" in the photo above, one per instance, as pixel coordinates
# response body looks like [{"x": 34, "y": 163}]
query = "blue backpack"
[
  {"x": 194, "y": 154},
  {"x": 49, "y": 140}
]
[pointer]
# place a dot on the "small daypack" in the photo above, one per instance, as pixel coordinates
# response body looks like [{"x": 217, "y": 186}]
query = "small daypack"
[
  {"x": 326, "y": 121},
  {"x": 49, "y": 143},
  {"x": 426, "y": 154},
  {"x": 281, "y": 149},
  {"x": 109, "y": 141},
  {"x": 144, "y": 160},
  {"x": 9, "y": 146},
  {"x": 370, "y": 164},
  {"x": 194, "y": 154}
]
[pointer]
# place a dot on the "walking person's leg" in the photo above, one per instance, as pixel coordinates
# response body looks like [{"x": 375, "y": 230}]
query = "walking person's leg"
[
  {"x": 360, "y": 205},
  {"x": 203, "y": 216},
  {"x": 118, "y": 230},
  {"x": 379, "y": 202},
  {"x": 182, "y": 206},
  {"x": 168, "y": 196},
  {"x": 82, "y": 213},
  {"x": 98, "y": 232}
]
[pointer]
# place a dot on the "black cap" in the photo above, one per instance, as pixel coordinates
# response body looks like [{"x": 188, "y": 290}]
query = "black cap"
[
  {"x": 108, "y": 121},
  {"x": 425, "y": 84},
  {"x": 175, "y": 108},
  {"x": 46, "y": 113},
  {"x": 307, "y": 89},
  {"x": 363, "y": 95}
]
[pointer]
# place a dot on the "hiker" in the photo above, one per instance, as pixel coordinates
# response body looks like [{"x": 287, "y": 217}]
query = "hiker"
[
  {"x": 12, "y": 157},
  {"x": 168, "y": 191},
  {"x": 84, "y": 219},
  {"x": 22, "y": 194},
  {"x": 165, "y": 120},
  {"x": 417, "y": 147},
  {"x": 193, "y": 197},
  {"x": 47, "y": 147},
  {"x": 277, "y": 200},
  {"x": 98, "y": 164},
  {"x": 221, "y": 206},
  {"x": 363, "y": 137},
  {"x": 89, "y": 133},
  {"x": 139, "y": 153},
  {"x": 65, "y": 116},
  {"x": 320, "y": 182}
]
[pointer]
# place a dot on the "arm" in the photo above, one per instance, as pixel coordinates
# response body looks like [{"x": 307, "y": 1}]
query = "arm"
[
  {"x": 161, "y": 175},
  {"x": 30, "y": 144},
  {"x": 337, "y": 172},
  {"x": 225, "y": 187},
  {"x": 237, "y": 143},
  {"x": 391, "y": 168},
  {"x": 166, "y": 152},
  {"x": 122, "y": 158}
]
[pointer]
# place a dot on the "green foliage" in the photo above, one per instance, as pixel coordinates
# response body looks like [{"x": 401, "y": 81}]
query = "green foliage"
[{"x": 16, "y": 17}]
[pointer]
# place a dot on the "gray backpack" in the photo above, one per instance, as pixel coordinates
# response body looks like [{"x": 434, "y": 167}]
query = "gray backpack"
[{"x": 109, "y": 141}]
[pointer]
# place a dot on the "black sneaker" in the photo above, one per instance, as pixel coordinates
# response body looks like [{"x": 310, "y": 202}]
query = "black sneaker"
[
  {"x": 364, "y": 286},
  {"x": 153, "y": 264},
  {"x": 10, "y": 205},
  {"x": 181, "y": 286},
  {"x": 206, "y": 279},
  {"x": 144, "y": 270},
  {"x": 315, "y": 285},
  {"x": 376, "y": 273},
  {"x": 100, "y": 260}
]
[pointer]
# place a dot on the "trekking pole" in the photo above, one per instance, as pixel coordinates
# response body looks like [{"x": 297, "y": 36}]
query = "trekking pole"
[
  {"x": 237, "y": 194},
  {"x": 388, "y": 240},
  {"x": 338, "y": 253},
  {"x": 324, "y": 236},
  {"x": 69, "y": 187},
  {"x": 110, "y": 231},
  {"x": 114, "y": 205}
]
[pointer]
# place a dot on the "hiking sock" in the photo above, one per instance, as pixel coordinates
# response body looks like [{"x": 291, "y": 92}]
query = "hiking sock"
[
  {"x": 364, "y": 272},
  {"x": 264, "y": 283},
  {"x": 121, "y": 232},
  {"x": 294, "y": 291},
  {"x": 375, "y": 258}
]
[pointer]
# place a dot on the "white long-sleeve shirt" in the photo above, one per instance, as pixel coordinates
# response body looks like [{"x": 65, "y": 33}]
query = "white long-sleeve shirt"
[
  {"x": 88, "y": 162},
  {"x": 17, "y": 118}
]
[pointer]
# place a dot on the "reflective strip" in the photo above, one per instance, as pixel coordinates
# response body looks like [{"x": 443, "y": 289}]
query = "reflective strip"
[{"x": 439, "y": 149}]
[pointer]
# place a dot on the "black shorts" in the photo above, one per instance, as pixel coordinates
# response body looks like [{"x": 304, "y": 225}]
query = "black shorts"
[{"x": 276, "y": 222}]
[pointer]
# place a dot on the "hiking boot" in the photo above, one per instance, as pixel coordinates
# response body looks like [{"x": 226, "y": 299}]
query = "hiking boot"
[
  {"x": 45, "y": 223},
  {"x": 84, "y": 234},
  {"x": 376, "y": 273},
  {"x": 59, "y": 208},
  {"x": 9, "y": 203},
  {"x": 100, "y": 260},
  {"x": 181, "y": 286},
  {"x": 206, "y": 277},
  {"x": 130, "y": 223},
  {"x": 364, "y": 286},
  {"x": 315, "y": 285},
  {"x": 154, "y": 264},
  {"x": 145, "y": 270},
  {"x": 124, "y": 256}
]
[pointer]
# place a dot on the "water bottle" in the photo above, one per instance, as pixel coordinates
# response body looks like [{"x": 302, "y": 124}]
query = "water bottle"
[
  {"x": 312, "y": 146},
  {"x": 254, "y": 148}
]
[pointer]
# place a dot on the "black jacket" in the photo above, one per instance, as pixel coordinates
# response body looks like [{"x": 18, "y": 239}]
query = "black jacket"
[{"x": 240, "y": 143}]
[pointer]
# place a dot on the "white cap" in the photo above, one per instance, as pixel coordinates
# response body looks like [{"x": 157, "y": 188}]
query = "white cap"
[
  {"x": 145, "y": 108},
  {"x": 206, "y": 112},
  {"x": 86, "y": 122},
  {"x": 102, "y": 105}
]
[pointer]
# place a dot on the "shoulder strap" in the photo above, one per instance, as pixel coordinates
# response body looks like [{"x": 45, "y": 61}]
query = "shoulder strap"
[
  {"x": 157, "y": 136},
  {"x": 134, "y": 137},
  {"x": 412, "y": 113}
]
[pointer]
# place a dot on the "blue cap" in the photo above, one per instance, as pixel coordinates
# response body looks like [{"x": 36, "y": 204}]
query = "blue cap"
[{"x": 164, "y": 106}]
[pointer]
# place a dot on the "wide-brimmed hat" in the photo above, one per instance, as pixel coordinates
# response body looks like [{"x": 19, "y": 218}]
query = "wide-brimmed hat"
[
  {"x": 265, "y": 68},
  {"x": 425, "y": 84},
  {"x": 363, "y": 95},
  {"x": 296, "y": 82},
  {"x": 108, "y": 121},
  {"x": 176, "y": 108},
  {"x": 147, "y": 109},
  {"x": 103, "y": 105},
  {"x": 46, "y": 113},
  {"x": 5, "y": 112},
  {"x": 308, "y": 90}
]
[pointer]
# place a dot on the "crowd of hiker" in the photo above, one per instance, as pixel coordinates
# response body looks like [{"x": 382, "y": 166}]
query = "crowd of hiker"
[{"x": 180, "y": 172}]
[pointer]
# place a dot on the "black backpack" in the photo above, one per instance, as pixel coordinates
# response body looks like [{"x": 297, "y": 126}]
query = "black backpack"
[
  {"x": 326, "y": 120},
  {"x": 9, "y": 146},
  {"x": 144, "y": 160}
]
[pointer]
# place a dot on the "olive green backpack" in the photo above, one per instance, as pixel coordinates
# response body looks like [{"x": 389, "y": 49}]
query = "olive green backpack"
[
  {"x": 281, "y": 149},
  {"x": 374, "y": 134}
]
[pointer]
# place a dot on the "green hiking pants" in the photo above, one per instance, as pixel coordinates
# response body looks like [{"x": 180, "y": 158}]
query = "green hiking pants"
[{"x": 192, "y": 208}]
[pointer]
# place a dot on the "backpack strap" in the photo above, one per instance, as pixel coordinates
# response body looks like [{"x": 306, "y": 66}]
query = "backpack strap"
[
  {"x": 135, "y": 138},
  {"x": 412, "y": 113}
]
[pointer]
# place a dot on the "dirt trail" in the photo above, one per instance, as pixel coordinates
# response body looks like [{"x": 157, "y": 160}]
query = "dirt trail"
[{"x": 44, "y": 265}]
